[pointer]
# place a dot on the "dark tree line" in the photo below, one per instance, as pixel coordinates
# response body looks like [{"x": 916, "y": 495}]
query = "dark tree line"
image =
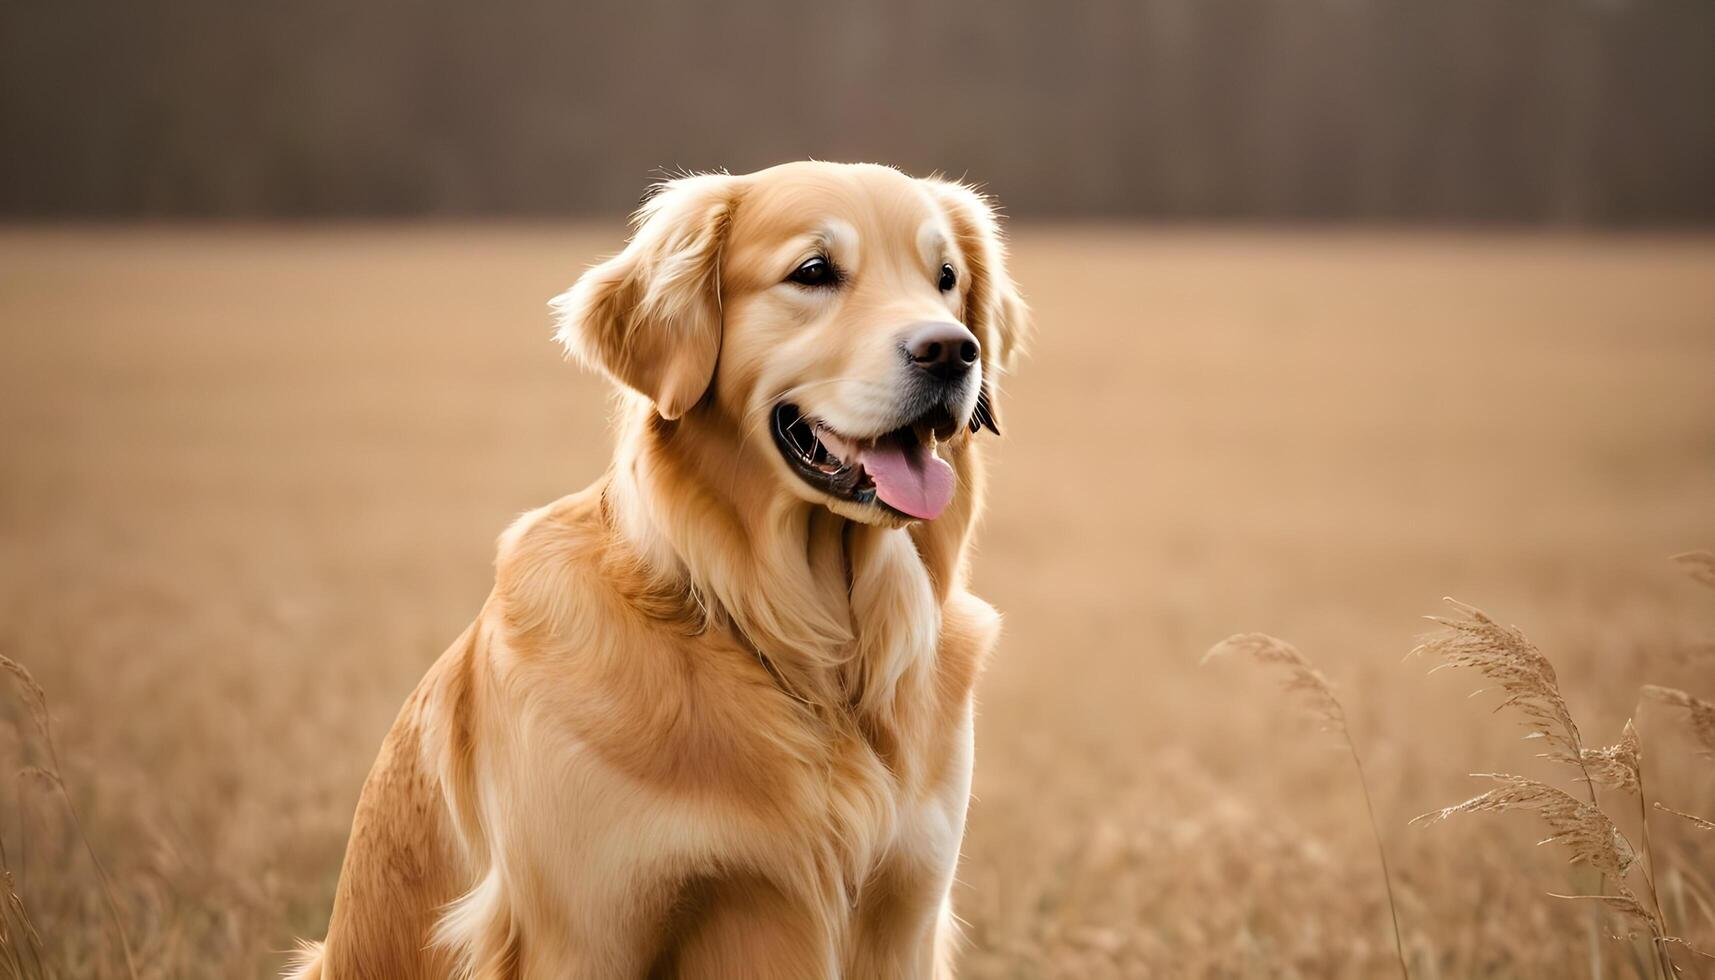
[{"x": 1597, "y": 112}]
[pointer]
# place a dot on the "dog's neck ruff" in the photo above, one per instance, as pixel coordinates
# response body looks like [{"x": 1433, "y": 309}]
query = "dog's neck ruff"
[{"x": 840, "y": 611}]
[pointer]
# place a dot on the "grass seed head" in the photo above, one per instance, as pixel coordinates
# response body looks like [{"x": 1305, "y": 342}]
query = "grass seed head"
[
  {"x": 1626, "y": 905},
  {"x": 34, "y": 698},
  {"x": 1503, "y": 655},
  {"x": 1700, "y": 565},
  {"x": 1618, "y": 766},
  {"x": 1702, "y": 713},
  {"x": 1302, "y": 680},
  {"x": 1583, "y": 829},
  {"x": 1696, "y": 821}
]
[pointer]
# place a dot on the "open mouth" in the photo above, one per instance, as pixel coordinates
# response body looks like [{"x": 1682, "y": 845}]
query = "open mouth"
[{"x": 898, "y": 471}]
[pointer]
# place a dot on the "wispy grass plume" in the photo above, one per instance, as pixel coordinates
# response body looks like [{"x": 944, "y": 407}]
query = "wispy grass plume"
[
  {"x": 1618, "y": 766},
  {"x": 1309, "y": 685},
  {"x": 1696, "y": 821},
  {"x": 1700, "y": 565},
  {"x": 1503, "y": 655},
  {"x": 1303, "y": 680},
  {"x": 1581, "y": 827},
  {"x": 36, "y": 701},
  {"x": 1700, "y": 712}
]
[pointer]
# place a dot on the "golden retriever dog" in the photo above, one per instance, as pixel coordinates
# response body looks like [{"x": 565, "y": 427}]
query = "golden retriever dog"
[{"x": 715, "y": 718}]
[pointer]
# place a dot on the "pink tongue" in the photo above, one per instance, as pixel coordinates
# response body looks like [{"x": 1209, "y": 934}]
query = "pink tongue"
[{"x": 913, "y": 481}]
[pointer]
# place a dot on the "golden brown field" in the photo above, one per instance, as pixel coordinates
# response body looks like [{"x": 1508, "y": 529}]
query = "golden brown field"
[{"x": 250, "y": 479}]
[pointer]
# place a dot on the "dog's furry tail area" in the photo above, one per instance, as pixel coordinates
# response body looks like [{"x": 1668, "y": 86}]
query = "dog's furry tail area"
[{"x": 306, "y": 962}]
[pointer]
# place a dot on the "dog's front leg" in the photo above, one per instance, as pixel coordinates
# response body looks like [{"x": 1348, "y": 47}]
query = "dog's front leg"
[
  {"x": 905, "y": 934},
  {"x": 905, "y": 926},
  {"x": 750, "y": 929}
]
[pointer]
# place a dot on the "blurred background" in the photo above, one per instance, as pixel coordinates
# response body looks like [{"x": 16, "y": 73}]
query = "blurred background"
[
  {"x": 1393, "y": 300},
  {"x": 1540, "y": 112}
]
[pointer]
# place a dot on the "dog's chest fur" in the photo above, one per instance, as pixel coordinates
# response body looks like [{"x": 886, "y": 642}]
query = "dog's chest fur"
[{"x": 694, "y": 753}]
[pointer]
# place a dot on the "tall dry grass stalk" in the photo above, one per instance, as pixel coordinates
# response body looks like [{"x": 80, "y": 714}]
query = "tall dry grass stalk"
[
  {"x": 17, "y": 931},
  {"x": 1504, "y": 655},
  {"x": 1309, "y": 685},
  {"x": 20, "y": 942}
]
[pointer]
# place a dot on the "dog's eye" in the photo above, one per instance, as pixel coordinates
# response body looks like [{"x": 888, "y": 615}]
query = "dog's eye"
[
  {"x": 949, "y": 278},
  {"x": 815, "y": 272}
]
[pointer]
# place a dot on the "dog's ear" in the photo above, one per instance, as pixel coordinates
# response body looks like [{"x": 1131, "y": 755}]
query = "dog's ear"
[
  {"x": 994, "y": 310},
  {"x": 650, "y": 317}
]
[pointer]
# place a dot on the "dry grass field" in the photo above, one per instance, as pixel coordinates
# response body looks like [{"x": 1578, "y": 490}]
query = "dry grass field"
[{"x": 250, "y": 482}]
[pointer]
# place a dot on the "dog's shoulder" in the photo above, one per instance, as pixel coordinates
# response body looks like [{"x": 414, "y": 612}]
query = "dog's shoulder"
[
  {"x": 626, "y": 660},
  {"x": 555, "y": 569},
  {"x": 566, "y": 531}
]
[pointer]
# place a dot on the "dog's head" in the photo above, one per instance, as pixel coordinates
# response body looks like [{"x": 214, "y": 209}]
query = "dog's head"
[{"x": 846, "y": 322}]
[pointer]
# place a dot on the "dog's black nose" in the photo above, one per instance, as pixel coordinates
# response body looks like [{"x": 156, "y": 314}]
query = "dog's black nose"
[{"x": 945, "y": 350}]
